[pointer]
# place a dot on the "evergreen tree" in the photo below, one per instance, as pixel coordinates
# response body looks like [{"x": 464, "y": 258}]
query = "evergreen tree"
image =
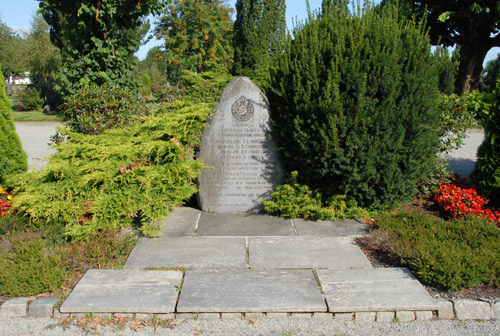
[
  {"x": 259, "y": 35},
  {"x": 12, "y": 155},
  {"x": 354, "y": 104},
  {"x": 97, "y": 39},
  {"x": 197, "y": 36}
]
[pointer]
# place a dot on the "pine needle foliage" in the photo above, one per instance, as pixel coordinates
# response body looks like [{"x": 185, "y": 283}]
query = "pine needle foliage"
[
  {"x": 103, "y": 181},
  {"x": 353, "y": 104},
  {"x": 13, "y": 159}
]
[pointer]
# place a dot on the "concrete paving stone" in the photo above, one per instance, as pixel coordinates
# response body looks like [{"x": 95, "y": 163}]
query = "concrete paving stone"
[
  {"x": 208, "y": 316},
  {"x": 254, "y": 316},
  {"x": 59, "y": 315},
  {"x": 385, "y": 316},
  {"x": 141, "y": 316},
  {"x": 496, "y": 310},
  {"x": 365, "y": 317},
  {"x": 231, "y": 316},
  {"x": 405, "y": 316},
  {"x": 347, "y": 227},
  {"x": 17, "y": 307},
  {"x": 124, "y": 291},
  {"x": 301, "y": 316},
  {"x": 322, "y": 316},
  {"x": 445, "y": 309},
  {"x": 200, "y": 252},
  {"x": 169, "y": 316},
  {"x": 43, "y": 306},
  {"x": 183, "y": 316},
  {"x": 276, "y": 315},
  {"x": 472, "y": 310},
  {"x": 181, "y": 222},
  {"x": 423, "y": 315},
  {"x": 374, "y": 289},
  {"x": 305, "y": 252},
  {"x": 343, "y": 317},
  {"x": 243, "y": 224},
  {"x": 250, "y": 291}
]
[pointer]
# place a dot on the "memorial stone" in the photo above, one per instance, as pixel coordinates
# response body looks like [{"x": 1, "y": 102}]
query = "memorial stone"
[{"x": 236, "y": 145}]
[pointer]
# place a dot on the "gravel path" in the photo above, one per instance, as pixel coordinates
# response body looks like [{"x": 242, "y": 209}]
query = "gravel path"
[
  {"x": 284, "y": 326},
  {"x": 35, "y": 136}
]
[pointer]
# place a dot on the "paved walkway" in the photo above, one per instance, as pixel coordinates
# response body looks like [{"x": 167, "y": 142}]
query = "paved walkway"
[{"x": 246, "y": 263}]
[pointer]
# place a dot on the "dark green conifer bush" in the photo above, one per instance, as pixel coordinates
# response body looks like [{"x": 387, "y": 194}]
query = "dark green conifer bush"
[
  {"x": 13, "y": 159},
  {"x": 353, "y": 104},
  {"x": 487, "y": 168}
]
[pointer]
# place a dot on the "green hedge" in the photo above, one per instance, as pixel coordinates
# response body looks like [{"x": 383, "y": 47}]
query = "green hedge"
[
  {"x": 354, "y": 105},
  {"x": 453, "y": 254}
]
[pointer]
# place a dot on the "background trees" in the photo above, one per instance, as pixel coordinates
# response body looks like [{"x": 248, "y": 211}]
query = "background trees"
[
  {"x": 12, "y": 51},
  {"x": 197, "y": 35},
  {"x": 471, "y": 25},
  {"x": 97, "y": 39},
  {"x": 43, "y": 59},
  {"x": 259, "y": 33}
]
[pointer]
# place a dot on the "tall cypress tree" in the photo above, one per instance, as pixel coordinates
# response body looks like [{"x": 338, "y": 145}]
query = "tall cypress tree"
[
  {"x": 12, "y": 156},
  {"x": 259, "y": 35}
]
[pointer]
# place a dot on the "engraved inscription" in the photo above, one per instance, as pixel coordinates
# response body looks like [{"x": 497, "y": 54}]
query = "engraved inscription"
[
  {"x": 242, "y": 165},
  {"x": 242, "y": 109}
]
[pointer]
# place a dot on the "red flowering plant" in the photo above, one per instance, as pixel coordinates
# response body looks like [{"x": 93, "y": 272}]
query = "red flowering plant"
[
  {"x": 457, "y": 199},
  {"x": 5, "y": 204}
]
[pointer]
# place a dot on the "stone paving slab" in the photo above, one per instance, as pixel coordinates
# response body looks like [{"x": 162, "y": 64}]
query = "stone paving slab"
[
  {"x": 250, "y": 291},
  {"x": 181, "y": 222},
  {"x": 347, "y": 227},
  {"x": 124, "y": 291},
  {"x": 376, "y": 289},
  {"x": 243, "y": 224},
  {"x": 305, "y": 252},
  {"x": 200, "y": 252}
]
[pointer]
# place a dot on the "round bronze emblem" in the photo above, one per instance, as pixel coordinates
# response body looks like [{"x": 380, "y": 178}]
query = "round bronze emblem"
[{"x": 242, "y": 109}]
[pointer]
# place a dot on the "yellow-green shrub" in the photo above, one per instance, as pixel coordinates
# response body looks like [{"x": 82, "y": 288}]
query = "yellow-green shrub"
[{"x": 107, "y": 180}]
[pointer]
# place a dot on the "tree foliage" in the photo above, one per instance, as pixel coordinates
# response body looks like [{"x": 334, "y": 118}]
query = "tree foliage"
[
  {"x": 197, "y": 35},
  {"x": 43, "y": 58},
  {"x": 259, "y": 34},
  {"x": 353, "y": 103},
  {"x": 12, "y": 52},
  {"x": 472, "y": 25},
  {"x": 97, "y": 39}
]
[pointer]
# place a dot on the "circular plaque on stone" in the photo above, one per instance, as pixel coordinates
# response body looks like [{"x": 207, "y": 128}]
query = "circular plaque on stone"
[{"x": 242, "y": 109}]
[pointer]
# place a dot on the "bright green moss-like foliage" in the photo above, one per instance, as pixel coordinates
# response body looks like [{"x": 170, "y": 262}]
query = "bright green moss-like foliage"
[
  {"x": 353, "y": 104},
  {"x": 107, "y": 180},
  {"x": 13, "y": 159}
]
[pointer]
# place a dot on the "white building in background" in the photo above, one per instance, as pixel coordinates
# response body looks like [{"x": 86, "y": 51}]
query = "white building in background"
[{"x": 25, "y": 79}]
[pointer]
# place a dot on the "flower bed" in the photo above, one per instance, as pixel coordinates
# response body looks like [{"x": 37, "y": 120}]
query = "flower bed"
[{"x": 458, "y": 199}]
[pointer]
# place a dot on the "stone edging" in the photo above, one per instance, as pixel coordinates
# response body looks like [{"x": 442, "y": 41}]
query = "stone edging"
[{"x": 462, "y": 309}]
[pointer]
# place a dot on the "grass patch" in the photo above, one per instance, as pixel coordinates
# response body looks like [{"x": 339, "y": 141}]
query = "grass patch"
[
  {"x": 42, "y": 260},
  {"x": 35, "y": 116},
  {"x": 455, "y": 254}
]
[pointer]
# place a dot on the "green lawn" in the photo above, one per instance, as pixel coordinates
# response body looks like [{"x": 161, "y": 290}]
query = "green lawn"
[{"x": 34, "y": 116}]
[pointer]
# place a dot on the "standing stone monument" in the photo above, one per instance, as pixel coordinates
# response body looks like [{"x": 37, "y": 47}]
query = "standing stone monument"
[{"x": 236, "y": 145}]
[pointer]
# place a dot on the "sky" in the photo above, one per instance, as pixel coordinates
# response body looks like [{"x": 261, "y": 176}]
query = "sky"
[{"x": 18, "y": 14}]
